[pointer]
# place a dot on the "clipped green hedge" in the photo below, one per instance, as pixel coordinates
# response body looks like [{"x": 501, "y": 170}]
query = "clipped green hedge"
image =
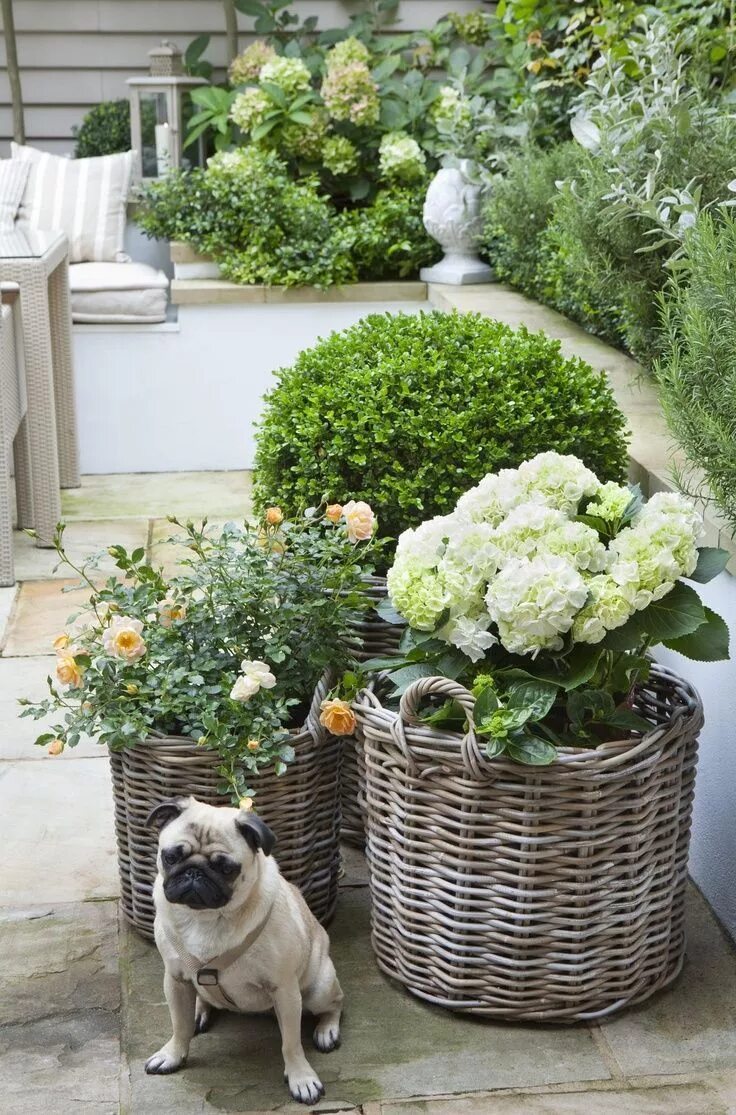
[
  {"x": 408, "y": 411},
  {"x": 105, "y": 130}
]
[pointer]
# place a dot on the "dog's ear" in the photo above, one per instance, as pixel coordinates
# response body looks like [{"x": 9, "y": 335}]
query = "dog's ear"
[
  {"x": 166, "y": 811},
  {"x": 256, "y": 832}
]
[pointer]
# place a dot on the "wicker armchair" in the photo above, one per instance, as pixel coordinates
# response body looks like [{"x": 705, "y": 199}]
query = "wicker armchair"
[{"x": 13, "y": 430}]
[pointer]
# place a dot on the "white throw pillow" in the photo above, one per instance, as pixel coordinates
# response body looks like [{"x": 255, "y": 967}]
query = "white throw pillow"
[
  {"x": 13, "y": 179},
  {"x": 83, "y": 198}
]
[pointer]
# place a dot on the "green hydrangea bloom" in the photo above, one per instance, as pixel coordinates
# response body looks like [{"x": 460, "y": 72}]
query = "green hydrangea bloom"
[{"x": 339, "y": 155}]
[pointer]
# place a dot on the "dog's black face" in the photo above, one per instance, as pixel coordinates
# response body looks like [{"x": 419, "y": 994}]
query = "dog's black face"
[
  {"x": 207, "y": 854},
  {"x": 198, "y": 881}
]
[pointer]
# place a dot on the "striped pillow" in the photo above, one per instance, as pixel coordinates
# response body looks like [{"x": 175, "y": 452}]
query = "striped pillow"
[
  {"x": 83, "y": 198},
  {"x": 13, "y": 178}
]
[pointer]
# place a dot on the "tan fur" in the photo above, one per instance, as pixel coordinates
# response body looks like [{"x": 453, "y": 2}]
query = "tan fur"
[{"x": 287, "y": 966}]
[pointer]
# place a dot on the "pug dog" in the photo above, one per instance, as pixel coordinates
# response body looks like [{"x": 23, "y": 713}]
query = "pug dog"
[{"x": 234, "y": 934}]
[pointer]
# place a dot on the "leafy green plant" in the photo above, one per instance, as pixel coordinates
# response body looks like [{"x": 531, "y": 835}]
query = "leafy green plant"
[
  {"x": 356, "y": 413},
  {"x": 259, "y": 224},
  {"x": 226, "y": 651},
  {"x": 388, "y": 238},
  {"x": 104, "y": 130},
  {"x": 696, "y": 372}
]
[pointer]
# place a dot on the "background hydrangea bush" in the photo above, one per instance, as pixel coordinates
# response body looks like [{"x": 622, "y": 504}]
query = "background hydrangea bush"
[{"x": 357, "y": 412}]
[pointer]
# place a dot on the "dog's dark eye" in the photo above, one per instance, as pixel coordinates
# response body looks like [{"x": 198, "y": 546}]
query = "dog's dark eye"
[
  {"x": 171, "y": 856},
  {"x": 225, "y": 866}
]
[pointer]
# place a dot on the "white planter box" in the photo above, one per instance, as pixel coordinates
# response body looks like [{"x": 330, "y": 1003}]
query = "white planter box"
[{"x": 188, "y": 264}]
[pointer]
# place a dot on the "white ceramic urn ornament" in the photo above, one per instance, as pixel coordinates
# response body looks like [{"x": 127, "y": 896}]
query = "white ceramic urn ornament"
[{"x": 452, "y": 217}]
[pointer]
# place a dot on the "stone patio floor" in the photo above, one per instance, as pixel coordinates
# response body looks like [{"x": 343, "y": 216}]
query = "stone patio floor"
[{"x": 81, "y": 1002}]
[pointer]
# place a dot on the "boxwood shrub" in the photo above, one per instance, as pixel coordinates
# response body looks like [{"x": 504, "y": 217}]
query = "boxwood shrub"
[{"x": 408, "y": 411}]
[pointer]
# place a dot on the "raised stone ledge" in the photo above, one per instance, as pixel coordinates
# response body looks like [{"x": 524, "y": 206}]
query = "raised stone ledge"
[
  {"x": 654, "y": 455},
  {"x": 214, "y": 292}
]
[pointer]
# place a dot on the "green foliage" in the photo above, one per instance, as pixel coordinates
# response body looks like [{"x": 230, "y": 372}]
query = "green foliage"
[
  {"x": 354, "y": 415},
  {"x": 519, "y": 209},
  {"x": 606, "y": 221},
  {"x": 262, "y": 226},
  {"x": 697, "y": 372},
  {"x": 277, "y": 598},
  {"x": 105, "y": 130},
  {"x": 259, "y": 224},
  {"x": 388, "y": 238}
]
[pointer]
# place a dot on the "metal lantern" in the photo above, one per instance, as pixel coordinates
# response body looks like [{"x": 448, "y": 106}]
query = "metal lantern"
[{"x": 159, "y": 111}]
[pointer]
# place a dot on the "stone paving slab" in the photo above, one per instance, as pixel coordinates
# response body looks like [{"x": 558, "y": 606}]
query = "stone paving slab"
[
  {"x": 60, "y": 846},
  {"x": 156, "y": 495},
  {"x": 82, "y": 540},
  {"x": 692, "y": 1026},
  {"x": 7, "y": 599},
  {"x": 59, "y": 1009},
  {"x": 393, "y": 1045},
  {"x": 696, "y": 1098},
  {"x": 26, "y": 677},
  {"x": 41, "y": 613}
]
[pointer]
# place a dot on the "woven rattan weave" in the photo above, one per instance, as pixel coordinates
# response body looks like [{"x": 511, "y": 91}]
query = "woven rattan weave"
[
  {"x": 529, "y": 893},
  {"x": 377, "y": 637},
  {"x": 302, "y": 806}
]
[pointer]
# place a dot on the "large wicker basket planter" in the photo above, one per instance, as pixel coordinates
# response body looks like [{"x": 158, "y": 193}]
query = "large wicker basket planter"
[
  {"x": 377, "y": 637},
  {"x": 302, "y": 807},
  {"x": 529, "y": 893}
]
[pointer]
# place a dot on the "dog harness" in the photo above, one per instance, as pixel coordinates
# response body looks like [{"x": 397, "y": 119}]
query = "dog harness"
[{"x": 207, "y": 973}]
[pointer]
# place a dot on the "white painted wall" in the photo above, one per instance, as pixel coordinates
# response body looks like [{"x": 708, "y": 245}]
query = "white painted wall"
[
  {"x": 713, "y": 852},
  {"x": 185, "y": 395}
]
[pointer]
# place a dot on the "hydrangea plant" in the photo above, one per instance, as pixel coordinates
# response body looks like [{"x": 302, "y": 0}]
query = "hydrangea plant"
[
  {"x": 226, "y": 651},
  {"x": 543, "y": 591}
]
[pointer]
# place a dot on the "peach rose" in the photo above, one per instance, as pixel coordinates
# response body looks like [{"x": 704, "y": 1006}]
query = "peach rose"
[
  {"x": 122, "y": 639},
  {"x": 246, "y": 804},
  {"x": 170, "y": 610},
  {"x": 274, "y": 516},
  {"x": 61, "y": 642},
  {"x": 56, "y": 747},
  {"x": 334, "y": 512},
  {"x": 534, "y": 38},
  {"x": 68, "y": 671},
  {"x": 359, "y": 519},
  {"x": 253, "y": 745},
  {"x": 337, "y": 717}
]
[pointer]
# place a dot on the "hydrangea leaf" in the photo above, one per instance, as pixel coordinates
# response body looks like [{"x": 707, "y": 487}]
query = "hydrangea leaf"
[{"x": 708, "y": 643}]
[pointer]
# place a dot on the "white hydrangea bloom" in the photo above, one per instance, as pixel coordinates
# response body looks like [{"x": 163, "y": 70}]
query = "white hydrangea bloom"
[
  {"x": 661, "y": 542},
  {"x": 426, "y": 543},
  {"x": 469, "y": 561},
  {"x": 610, "y": 604},
  {"x": 471, "y": 636},
  {"x": 534, "y": 602},
  {"x": 561, "y": 480},
  {"x": 492, "y": 499},
  {"x": 610, "y": 502},
  {"x": 419, "y": 594}
]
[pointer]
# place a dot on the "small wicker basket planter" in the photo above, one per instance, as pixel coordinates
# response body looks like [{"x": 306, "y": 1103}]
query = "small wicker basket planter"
[
  {"x": 529, "y": 893},
  {"x": 302, "y": 807},
  {"x": 377, "y": 637}
]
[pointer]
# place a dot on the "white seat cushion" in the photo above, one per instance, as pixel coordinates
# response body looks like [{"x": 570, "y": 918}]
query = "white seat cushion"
[{"x": 118, "y": 292}]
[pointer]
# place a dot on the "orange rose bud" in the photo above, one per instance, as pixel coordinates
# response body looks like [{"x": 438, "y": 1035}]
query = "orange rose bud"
[
  {"x": 253, "y": 745},
  {"x": 334, "y": 512},
  {"x": 274, "y": 516},
  {"x": 534, "y": 38},
  {"x": 68, "y": 672},
  {"x": 56, "y": 747},
  {"x": 337, "y": 717},
  {"x": 61, "y": 642}
]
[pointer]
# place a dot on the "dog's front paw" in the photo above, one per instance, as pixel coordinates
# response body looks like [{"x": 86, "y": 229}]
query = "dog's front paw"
[
  {"x": 327, "y": 1037},
  {"x": 305, "y": 1087},
  {"x": 164, "y": 1062}
]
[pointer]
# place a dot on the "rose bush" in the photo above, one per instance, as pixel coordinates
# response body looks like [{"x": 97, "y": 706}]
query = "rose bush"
[{"x": 227, "y": 651}]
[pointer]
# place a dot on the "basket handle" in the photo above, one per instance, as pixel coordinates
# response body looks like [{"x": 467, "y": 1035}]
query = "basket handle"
[
  {"x": 475, "y": 761},
  {"x": 323, "y": 687}
]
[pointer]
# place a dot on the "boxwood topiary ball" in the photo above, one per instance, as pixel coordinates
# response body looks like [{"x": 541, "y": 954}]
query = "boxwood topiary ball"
[{"x": 408, "y": 411}]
